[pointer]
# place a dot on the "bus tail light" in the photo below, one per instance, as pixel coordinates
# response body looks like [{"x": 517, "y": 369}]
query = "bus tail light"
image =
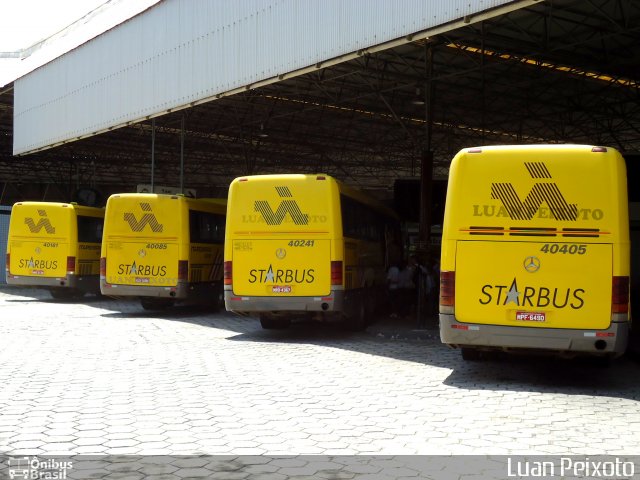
[
  {"x": 447, "y": 291},
  {"x": 336, "y": 272},
  {"x": 620, "y": 295},
  {"x": 71, "y": 265},
  {"x": 228, "y": 276},
  {"x": 183, "y": 270},
  {"x": 8, "y": 266},
  {"x": 103, "y": 266}
]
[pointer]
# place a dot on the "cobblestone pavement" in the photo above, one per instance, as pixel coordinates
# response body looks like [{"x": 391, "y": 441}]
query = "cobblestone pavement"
[{"x": 105, "y": 377}]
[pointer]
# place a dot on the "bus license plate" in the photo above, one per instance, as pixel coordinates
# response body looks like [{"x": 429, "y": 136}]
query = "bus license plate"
[
  {"x": 281, "y": 289},
  {"x": 531, "y": 316}
]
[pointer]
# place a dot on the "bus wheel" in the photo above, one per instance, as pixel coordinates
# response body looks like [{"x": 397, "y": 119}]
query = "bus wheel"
[
  {"x": 216, "y": 301},
  {"x": 274, "y": 323},
  {"x": 151, "y": 303},
  {"x": 470, "y": 354},
  {"x": 370, "y": 308},
  {"x": 604, "y": 361},
  {"x": 65, "y": 293},
  {"x": 357, "y": 321},
  {"x": 220, "y": 300}
]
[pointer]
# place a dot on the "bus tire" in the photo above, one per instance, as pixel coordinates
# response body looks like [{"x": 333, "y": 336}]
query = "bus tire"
[
  {"x": 356, "y": 322},
  {"x": 65, "y": 293},
  {"x": 216, "y": 301},
  {"x": 371, "y": 306},
  {"x": 470, "y": 354},
  {"x": 633, "y": 346},
  {"x": 604, "y": 361},
  {"x": 274, "y": 323},
  {"x": 152, "y": 303},
  {"x": 219, "y": 300}
]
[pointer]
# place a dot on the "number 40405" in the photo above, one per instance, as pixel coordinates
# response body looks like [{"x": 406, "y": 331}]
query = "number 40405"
[{"x": 572, "y": 249}]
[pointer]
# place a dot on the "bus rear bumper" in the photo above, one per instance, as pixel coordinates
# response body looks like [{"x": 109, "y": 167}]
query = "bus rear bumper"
[
  {"x": 612, "y": 340},
  {"x": 85, "y": 283},
  {"x": 179, "y": 291},
  {"x": 43, "y": 282},
  {"x": 244, "y": 304}
]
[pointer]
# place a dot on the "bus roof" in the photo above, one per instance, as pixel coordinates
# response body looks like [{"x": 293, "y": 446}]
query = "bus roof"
[
  {"x": 343, "y": 188},
  {"x": 79, "y": 209}
]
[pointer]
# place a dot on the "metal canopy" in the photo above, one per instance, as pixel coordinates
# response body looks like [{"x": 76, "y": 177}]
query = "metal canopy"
[{"x": 562, "y": 71}]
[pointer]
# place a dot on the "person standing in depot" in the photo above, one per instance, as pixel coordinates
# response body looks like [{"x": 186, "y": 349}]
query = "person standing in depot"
[
  {"x": 393, "y": 282},
  {"x": 430, "y": 278},
  {"x": 407, "y": 284}
]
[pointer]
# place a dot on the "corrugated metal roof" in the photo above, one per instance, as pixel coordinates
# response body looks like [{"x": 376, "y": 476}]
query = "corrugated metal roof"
[
  {"x": 14, "y": 65},
  {"x": 182, "y": 52}
]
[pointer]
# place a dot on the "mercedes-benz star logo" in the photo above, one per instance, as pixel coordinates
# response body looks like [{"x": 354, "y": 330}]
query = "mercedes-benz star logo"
[
  {"x": 281, "y": 253},
  {"x": 532, "y": 264}
]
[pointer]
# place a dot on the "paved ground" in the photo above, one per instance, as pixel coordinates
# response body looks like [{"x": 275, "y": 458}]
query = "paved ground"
[{"x": 105, "y": 377}]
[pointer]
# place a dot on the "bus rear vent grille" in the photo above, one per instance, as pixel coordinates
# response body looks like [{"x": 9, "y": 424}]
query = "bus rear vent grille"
[
  {"x": 84, "y": 268},
  {"x": 196, "y": 274},
  {"x": 535, "y": 232}
]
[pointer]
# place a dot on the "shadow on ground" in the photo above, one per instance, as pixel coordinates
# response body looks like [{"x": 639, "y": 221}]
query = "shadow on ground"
[{"x": 399, "y": 339}]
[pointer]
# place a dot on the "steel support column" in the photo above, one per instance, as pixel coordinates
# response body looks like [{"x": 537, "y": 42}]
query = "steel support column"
[{"x": 426, "y": 186}]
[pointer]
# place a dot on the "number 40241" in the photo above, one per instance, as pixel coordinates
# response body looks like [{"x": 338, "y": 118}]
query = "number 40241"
[
  {"x": 301, "y": 243},
  {"x": 572, "y": 249}
]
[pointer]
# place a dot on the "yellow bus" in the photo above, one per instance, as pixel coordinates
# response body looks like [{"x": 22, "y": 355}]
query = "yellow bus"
[
  {"x": 55, "y": 246},
  {"x": 535, "y": 251},
  {"x": 163, "y": 249},
  {"x": 305, "y": 245}
]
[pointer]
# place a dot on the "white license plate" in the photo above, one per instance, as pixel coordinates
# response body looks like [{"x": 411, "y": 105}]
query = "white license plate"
[
  {"x": 531, "y": 316},
  {"x": 281, "y": 289}
]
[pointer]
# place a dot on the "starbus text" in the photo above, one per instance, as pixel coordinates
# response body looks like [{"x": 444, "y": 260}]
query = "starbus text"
[
  {"x": 536, "y": 297},
  {"x": 145, "y": 270},
  {"x": 39, "y": 264},
  {"x": 265, "y": 275}
]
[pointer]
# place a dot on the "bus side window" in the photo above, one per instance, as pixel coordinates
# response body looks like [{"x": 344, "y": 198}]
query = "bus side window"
[
  {"x": 360, "y": 221},
  {"x": 90, "y": 229},
  {"x": 206, "y": 227},
  {"x": 348, "y": 217}
]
